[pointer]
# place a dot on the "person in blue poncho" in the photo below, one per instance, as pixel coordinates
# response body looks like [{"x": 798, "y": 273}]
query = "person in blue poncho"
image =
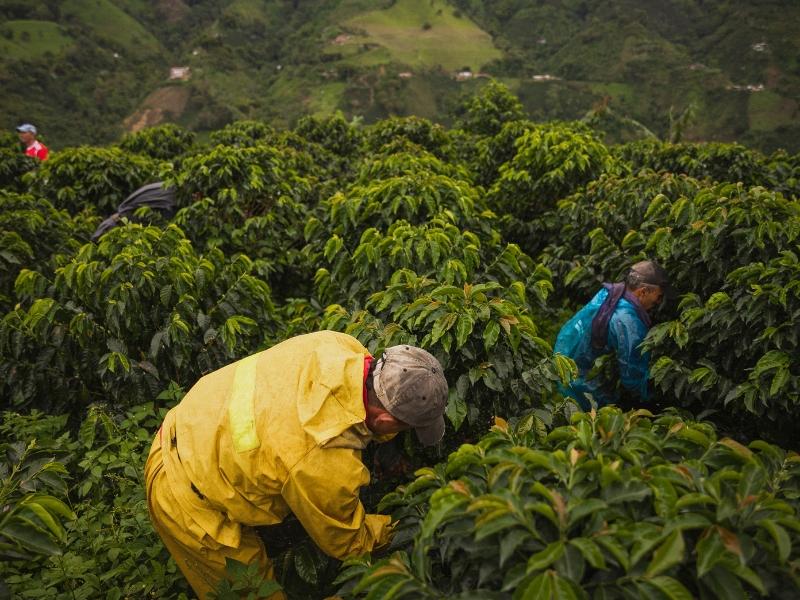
[{"x": 615, "y": 321}]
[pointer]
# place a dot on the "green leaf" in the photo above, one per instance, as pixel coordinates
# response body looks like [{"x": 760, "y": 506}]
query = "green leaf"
[
  {"x": 307, "y": 564},
  {"x": 548, "y": 586},
  {"x": 490, "y": 334},
  {"x": 710, "y": 551},
  {"x": 781, "y": 537},
  {"x": 25, "y": 534},
  {"x": 668, "y": 554},
  {"x": 631, "y": 491},
  {"x": 546, "y": 557},
  {"x": 268, "y": 588},
  {"x": 511, "y": 542},
  {"x": 613, "y": 547},
  {"x": 591, "y": 552},
  {"x": 724, "y": 584},
  {"x": 45, "y": 517},
  {"x": 692, "y": 499},
  {"x": 748, "y": 575},
  {"x": 773, "y": 359},
  {"x": 442, "y": 325},
  {"x": 443, "y": 502},
  {"x": 584, "y": 507},
  {"x": 539, "y": 588},
  {"x": 463, "y": 329},
  {"x": 571, "y": 565},
  {"x": 751, "y": 481},
  {"x": 55, "y": 506},
  {"x": 456, "y": 409},
  {"x": 671, "y": 588}
]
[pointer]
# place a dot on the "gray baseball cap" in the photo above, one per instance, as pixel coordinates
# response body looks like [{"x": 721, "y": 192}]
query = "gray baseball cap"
[
  {"x": 27, "y": 128},
  {"x": 410, "y": 384}
]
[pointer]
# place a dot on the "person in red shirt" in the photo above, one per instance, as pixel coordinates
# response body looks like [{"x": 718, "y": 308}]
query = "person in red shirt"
[{"x": 33, "y": 147}]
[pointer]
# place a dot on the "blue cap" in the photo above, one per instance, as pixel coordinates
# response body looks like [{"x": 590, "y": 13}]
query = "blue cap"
[{"x": 26, "y": 128}]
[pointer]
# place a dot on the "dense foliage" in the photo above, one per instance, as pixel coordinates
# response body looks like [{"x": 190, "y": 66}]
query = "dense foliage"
[
  {"x": 475, "y": 243},
  {"x": 106, "y": 547},
  {"x": 125, "y": 317},
  {"x": 613, "y": 505}
]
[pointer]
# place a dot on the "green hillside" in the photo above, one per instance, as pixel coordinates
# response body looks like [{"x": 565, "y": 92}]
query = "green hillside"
[
  {"x": 32, "y": 39},
  {"x": 418, "y": 34},
  {"x": 111, "y": 24},
  {"x": 625, "y": 64}
]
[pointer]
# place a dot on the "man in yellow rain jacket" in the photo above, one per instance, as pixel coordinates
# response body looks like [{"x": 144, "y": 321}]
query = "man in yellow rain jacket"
[{"x": 281, "y": 432}]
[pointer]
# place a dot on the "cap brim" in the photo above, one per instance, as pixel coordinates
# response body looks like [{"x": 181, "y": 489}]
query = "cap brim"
[{"x": 431, "y": 434}]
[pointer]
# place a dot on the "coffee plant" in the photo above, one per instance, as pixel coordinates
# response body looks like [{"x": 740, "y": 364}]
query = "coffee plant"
[
  {"x": 125, "y": 317},
  {"x": 13, "y": 165},
  {"x": 718, "y": 162},
  {"x": 332, "y": 133},
  {"x": 33, "y": 232},
  {"x": 163, "y": 142},
  {"x": 475, "y": 242},
  {"x": 549, "y": 162},
  {"x": 685, "y": 226},
  {"x": 493, "y": 152},
  {"x": 486, "y": 112},
  {"x": 105, "y": 545},
  {"x": 485, "y": 335},
  {"x": 421, "y": 132},
  {"x": 737, "y": 349},
  {"x": 412, "y": 161},
  {"x": 96, "y": 178},
  {"x": 32, "y": 486},
  {"x": 613, "y": 505},
  {"x": 244, "y": 134}
]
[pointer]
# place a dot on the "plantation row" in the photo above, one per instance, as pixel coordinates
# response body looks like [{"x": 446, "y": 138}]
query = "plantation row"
[{"x": 475, "y": 243}]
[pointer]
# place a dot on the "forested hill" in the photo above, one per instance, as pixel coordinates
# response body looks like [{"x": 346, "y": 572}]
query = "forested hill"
[{"x": 87, "y": 70}]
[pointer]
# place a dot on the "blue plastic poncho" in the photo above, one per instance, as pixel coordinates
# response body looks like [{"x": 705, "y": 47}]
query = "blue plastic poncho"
[{"x": 625, "y": 332}]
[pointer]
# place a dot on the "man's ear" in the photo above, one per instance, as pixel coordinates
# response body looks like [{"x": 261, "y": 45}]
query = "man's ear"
[
  {"x": 384, "y": 418},
  {"x": 385, "y": 423}
]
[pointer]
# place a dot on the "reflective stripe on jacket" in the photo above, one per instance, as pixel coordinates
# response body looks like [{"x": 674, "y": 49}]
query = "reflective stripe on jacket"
[
  {"x": 277, "y": 432},
  {"x": 625, "y": 332}
]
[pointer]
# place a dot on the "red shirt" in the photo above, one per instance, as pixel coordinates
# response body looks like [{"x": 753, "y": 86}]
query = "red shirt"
[{"x": 38, "y": 150}]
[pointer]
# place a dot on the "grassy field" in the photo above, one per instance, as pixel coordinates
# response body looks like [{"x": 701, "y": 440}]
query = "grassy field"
[
  {"x": 620, "y": 93},
  {"x": 112, "y": 24},
  {"x": 767, "y": 111},
  {"x": 423, "y": 34},
  {"x": 32, "y": 39},
  {"x": 324, "y": 99}
]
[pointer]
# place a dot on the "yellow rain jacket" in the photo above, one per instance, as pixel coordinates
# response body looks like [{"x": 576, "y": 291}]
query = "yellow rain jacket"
[{"x": 280, "y": 431}]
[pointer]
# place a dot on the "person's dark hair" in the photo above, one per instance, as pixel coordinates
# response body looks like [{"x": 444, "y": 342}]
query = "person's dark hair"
[{"x": 647, "y": 273}]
